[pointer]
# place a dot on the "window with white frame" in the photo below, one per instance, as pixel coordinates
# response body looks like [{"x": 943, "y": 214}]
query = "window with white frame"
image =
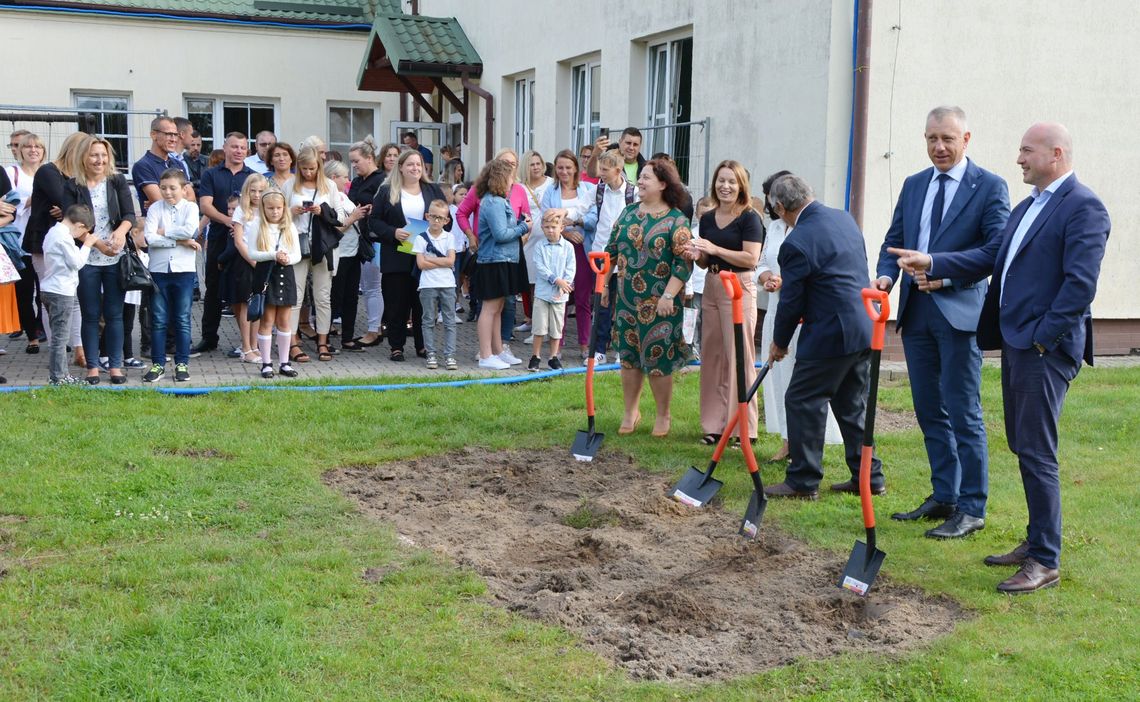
[
  {"x": 111, "y": 122},
  {"x": 668, "y": 101},
  {"x": 524, "y": 114},
  {"x": 585, "y": 103},
  {"x": 216, "y": 117},
  {"x": 349, "y": 124}
]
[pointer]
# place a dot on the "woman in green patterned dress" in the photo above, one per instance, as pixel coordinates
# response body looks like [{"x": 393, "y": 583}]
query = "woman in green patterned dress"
[{"x": 648, "y": 251}]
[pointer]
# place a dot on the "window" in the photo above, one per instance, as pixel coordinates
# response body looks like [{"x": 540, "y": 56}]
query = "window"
[
  {"x": 524, "y": 114},
  {"x": 249, "y": 118},
  {"x": 348, "y": 125},
  {"x": 670, "y": 89},
  {"x": 110, "y": 122},
  {"x": 585, "y": 103}
]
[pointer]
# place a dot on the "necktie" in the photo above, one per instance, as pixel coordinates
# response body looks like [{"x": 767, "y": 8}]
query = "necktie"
[{"x": 936, "y": 208}]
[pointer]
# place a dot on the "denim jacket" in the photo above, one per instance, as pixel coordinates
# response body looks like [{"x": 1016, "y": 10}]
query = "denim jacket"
[
  {"x": 552, "y": 199},
  {"x": 499, "y": 231}
]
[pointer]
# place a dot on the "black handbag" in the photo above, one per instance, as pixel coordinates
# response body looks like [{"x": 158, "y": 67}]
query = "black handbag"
[{"x": 133, "y": 275}]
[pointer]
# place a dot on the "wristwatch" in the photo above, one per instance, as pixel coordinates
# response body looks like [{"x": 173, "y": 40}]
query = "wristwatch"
[{"x": 667, "y": 295}]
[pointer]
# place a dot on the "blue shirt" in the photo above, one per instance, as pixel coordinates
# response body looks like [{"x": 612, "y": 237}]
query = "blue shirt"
[
  {"x": 551, "y": 262},
  {"x": 147, "y": 171},
  {"x": 220, "y": 183},
  {"x": 1040, "y": 199}
]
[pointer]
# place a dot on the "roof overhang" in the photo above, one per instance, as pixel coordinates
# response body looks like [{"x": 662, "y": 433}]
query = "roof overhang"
[{"x": 410, "y": 52}]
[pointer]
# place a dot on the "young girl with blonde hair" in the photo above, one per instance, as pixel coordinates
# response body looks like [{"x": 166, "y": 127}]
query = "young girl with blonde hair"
[{"x": 276, "y": 249}]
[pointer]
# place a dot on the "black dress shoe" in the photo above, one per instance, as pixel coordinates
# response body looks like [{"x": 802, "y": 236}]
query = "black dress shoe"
[
  {"x": 956, "y": 527},
  {"x": 1031, "y": 577},
  {"x": 1014, "y": 557},
  {"x": 852, "y": 487},
  {"x": 785, "y": 490},
  {"x": 929, "y": 509}
]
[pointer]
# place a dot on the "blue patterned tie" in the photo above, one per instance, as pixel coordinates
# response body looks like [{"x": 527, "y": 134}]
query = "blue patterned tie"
[{"x": 936, "y": 208}]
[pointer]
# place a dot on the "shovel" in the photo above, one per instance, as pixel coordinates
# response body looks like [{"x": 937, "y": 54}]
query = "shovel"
[
  {"x": 696, "y": 488},
  {"x": 865, "y": 560},
  {"x": 587, "y": 443}
]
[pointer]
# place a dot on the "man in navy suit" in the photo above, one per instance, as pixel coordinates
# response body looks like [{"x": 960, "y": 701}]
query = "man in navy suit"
[
  {"x": 1045, "y": 268},
  {"x": 952, "y": 206},
  {"x": 823, "y": 263}
]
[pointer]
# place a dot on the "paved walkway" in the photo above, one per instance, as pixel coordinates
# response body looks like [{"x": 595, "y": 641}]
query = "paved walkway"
[{"x": 214, "y": 368}]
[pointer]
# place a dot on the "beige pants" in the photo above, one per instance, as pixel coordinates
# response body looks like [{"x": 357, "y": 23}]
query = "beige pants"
[
  {"x": 322, "y": 292},
  {"x": 718, "y": 356}
]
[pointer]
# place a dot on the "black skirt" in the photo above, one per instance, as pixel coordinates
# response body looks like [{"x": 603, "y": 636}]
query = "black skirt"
[
  {"x": 282, "y": 290},
  {"x": 494, "y": 280},
  {"x": 240, "y": 285}
]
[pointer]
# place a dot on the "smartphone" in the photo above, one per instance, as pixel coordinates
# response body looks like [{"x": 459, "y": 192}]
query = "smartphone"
[{"x": 306, "y": 204}]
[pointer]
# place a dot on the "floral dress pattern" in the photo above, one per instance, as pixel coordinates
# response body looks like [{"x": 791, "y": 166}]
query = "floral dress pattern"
[{"x": 646, "y": 252}]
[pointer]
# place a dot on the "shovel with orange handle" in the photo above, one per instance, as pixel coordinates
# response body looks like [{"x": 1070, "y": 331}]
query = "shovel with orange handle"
[{"x": 587, "y": 443}]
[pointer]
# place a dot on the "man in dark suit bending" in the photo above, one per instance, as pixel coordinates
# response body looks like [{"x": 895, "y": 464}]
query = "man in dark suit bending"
[
  {"x": 1045, "y": 268},
  {"x": 823, "y": 263},
  {"x": 952, "y": 206}
]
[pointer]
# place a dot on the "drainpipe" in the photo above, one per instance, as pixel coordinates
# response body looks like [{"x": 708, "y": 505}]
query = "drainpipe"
[
  {"x": 859, "y": 118},
  {"x": 490, "y": 115}
]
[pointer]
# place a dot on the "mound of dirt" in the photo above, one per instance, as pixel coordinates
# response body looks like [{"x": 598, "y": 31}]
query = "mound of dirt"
[{"x": 664, "y": 590}]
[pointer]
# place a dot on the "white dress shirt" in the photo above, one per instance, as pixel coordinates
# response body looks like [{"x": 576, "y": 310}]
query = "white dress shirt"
[
  {"x": 956, "y": 172},
  {"x": 1040, "y": 199},
  {"x": 179, "y": 222}
]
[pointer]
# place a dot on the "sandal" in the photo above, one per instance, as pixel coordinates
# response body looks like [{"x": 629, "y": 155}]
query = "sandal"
[
  {"x": 397, "y": 355},
  {"x": 300, "y": 356},
  {"x": 325, "y": 355},
  {"x": 710, "y": 439},
  {"x": 251, "y": 356},
  {"x": 308, "y": 333},
  {"x": 352, "y": 345}
]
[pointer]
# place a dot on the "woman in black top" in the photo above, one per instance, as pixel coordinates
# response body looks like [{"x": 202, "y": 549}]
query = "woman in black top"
[
  {"x": 731, "y": 237},
  {"x": 96, "y": 184},
  {"x": 406, "y": 195}
]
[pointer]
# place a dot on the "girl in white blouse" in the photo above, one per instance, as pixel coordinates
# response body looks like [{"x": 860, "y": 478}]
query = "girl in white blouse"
[{"x": 276, "y": 250}]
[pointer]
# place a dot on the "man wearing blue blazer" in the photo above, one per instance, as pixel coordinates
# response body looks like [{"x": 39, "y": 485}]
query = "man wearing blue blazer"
[
  {"x": 952, "y": 206},
  {"x": 823, "y": 263},
  {"x": 1045, "y": 268}
]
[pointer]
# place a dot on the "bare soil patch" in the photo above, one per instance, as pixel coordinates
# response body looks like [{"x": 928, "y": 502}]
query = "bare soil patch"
[
  {"x": 663, "y": 590},
  {"x": 889, "y": 421}
]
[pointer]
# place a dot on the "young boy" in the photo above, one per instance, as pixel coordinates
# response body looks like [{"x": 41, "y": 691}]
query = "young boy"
[
  {"x": 62, "y": 261},
  {"x": 554, "y": 263},
  {"x": 435, "y": 256},
  {"x": 171, "y": 226}
]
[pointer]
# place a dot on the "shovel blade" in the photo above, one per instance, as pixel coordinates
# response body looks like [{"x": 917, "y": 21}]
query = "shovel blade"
[
  {"x": 861, "y": 570},
  {"x": 750, "y": 525},
  {"x": 695, "y": 488},
  {"x": 586, "y": 445}
]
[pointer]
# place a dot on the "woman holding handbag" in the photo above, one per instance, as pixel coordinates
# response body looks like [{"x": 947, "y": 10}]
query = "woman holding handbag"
[
  {"x": 346, "y": 282},
  {"x": 96, "y": 184}
]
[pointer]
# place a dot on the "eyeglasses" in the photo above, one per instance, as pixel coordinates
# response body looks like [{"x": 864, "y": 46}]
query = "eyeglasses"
[{"x": 437, "y": 218}]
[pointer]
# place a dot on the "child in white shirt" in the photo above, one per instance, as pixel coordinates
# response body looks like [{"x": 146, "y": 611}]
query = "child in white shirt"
[
  {"x": 58, "y": 285},
  {"x": 435, "y": 257},
  {"x": 555, "y": 267},
  {"x": 171, "y": 228}
]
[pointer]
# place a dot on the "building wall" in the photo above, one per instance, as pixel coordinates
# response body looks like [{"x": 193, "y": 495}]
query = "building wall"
[
  {"x": 160, "y": 62},
  {"x": 765, "y": 76},
  {"x": 1008, "y": 65}
]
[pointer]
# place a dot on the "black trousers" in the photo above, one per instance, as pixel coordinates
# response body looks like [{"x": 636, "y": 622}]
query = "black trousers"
[
  {"x": 27, "y": 300},
  {"x": 842, "y": 382},
  {"x": 212, "y": 301},
  {"x": 401, "y": 300},
  {"x": 346, "y": 295}
]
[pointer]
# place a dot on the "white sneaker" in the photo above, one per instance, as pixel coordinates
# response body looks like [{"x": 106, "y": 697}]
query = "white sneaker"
[
  {"x": 599, "y": 358},
  {"x": 493, "y": 363},
  {"x": 509, "y": 357},
  {"x": 529, "y": 339},
  {"x": 524, "y": 327}
]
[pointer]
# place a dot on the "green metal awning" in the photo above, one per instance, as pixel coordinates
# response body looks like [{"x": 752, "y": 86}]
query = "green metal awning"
[{"x": 406, "y": 52}]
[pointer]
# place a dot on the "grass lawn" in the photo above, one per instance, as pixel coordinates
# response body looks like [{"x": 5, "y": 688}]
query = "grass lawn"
[{"x": 170, "y": 548}]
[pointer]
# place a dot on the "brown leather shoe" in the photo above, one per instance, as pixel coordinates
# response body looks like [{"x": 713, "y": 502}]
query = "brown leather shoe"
[
  {"x": 785, "y": 490},
  {"x": 852, "y": 487},
  {"x": 1031, "y": 577},
  {"x": 1014, "y": 557}
]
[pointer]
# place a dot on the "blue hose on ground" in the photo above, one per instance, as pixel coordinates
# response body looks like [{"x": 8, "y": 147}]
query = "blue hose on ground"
[{"x": 499, "y": 380}]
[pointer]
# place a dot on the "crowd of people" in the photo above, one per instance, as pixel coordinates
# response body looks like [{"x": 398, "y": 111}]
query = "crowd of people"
[{"x": 294, "y": 236}]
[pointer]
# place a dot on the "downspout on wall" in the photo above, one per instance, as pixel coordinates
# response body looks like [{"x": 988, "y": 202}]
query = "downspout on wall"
[{"x": 860, "y": 101}]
